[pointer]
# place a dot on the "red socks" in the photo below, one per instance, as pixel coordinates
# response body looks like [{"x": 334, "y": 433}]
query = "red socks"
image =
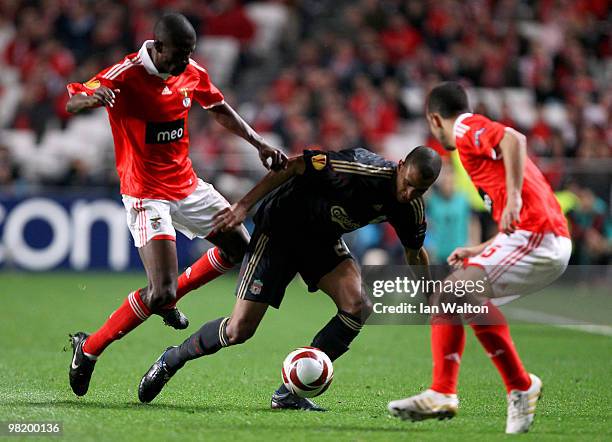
[
  {"x": 205, "y": 269},
  {"x": 126, "y": 318},
  {"x": 134, "y": 312},
  {"x": 447, "y": 343},
  {"x": 496, "y": 340}
]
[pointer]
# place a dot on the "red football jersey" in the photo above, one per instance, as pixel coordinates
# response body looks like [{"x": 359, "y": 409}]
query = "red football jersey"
[
  {"x": 149, "y": 123},
  {"x": 477, "y": 139}
]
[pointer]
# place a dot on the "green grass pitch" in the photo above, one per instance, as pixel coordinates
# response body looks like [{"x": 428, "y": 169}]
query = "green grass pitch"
[{"x": 226, "y": 396}]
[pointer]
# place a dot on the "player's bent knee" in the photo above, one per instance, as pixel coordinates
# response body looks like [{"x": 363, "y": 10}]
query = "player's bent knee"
[
  {"x": 367, "y": 308},
  {"x": 234, "y": 249},
  {"x": 358, "y": 306},
  {"x": 239, "y": 332}
]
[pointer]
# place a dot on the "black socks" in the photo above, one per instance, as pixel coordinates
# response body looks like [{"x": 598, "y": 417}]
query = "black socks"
[{"x": 207, "y": 340}]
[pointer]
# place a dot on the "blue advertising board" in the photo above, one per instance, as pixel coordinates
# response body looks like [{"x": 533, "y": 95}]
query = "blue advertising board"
[{"x": 73, "y": 232}]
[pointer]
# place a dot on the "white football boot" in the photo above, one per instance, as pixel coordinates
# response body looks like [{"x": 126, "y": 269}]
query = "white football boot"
[
  {"x": 521, "y": 407},
  {"x": 427, "y": 405}
]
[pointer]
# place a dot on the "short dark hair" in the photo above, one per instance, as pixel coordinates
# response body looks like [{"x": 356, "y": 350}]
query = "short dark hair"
[
  {"x": 448, "y": 99},
  {"x": 174, "y": 27},
  {"x": 427, "y": 161}
]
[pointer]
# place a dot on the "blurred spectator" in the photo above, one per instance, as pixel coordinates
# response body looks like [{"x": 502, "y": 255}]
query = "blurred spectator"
[
  {"x": 540, "y": 135},
  {"x": 448, "y": 217},
  {"x": 400, "y": 40},
  {"x": 8, "y": 169},
  {"x": 227, "y": 18},
  {"x": 590, "y": 227}
]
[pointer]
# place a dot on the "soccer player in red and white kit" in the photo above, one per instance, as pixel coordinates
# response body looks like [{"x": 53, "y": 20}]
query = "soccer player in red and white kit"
[
  {"x": 531, "y": 250},
  {"x": 148, "y": 96}
]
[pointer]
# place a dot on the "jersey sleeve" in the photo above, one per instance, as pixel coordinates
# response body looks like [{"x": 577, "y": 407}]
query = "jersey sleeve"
[
  {"x": 103, "y": 78},
  {"x": 410, "y": 224},
  {"x": 484, "y": 137},
  {"x": 206, "y": 93}
]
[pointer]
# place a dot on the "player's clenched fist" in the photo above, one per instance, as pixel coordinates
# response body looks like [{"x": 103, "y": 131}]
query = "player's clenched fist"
[
  {"x": 277, "y": 157},
  {"x": 104, "y": 96},
  {"x": 456, "y": 258}
]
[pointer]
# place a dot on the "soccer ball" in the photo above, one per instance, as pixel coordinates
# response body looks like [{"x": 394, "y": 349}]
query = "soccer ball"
[{"x": 307, "y": 372}]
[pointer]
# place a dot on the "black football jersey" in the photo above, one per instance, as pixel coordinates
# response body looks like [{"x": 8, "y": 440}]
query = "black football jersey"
[{"x": 340, "y": 192}]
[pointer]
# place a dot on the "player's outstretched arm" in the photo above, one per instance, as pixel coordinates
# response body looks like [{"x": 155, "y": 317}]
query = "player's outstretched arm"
[
  {"x": 229, "y": 218},
  {"x": 103, "y": 96},
  {"x": 514, "y": 151},
  {"x": 229, "y": 118}
]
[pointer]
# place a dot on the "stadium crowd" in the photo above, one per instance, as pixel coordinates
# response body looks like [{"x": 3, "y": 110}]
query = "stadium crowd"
[{"x": 335, "y": 74}]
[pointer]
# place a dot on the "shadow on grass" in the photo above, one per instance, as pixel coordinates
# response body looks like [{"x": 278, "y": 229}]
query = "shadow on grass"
[
  {"x": 254, "y": 413},
  {"x": 85, "y": 404}
]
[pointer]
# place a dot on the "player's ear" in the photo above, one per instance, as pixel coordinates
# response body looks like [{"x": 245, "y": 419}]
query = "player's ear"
[{"x": 433, "y": 118}]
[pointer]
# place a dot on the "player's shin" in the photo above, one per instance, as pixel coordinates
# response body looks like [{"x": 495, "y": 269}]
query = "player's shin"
[
  {"x": 210, "y": 265},
  {"x": 209, "y": 339},
  {"x": 493, "y": 332},
  {"x": 127, "y": 317},
  {"x": 447, "y": 344},
  {"x": 334, "y": 339}
]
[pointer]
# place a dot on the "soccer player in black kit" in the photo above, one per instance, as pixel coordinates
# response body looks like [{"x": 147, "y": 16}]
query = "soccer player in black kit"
[{"x": 298, "y": 228}]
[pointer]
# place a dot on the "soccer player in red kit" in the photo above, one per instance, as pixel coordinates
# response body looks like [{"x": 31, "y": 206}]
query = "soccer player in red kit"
[
  {"x": 148, "y": 96},
  {"x": 531, "y": 250}
]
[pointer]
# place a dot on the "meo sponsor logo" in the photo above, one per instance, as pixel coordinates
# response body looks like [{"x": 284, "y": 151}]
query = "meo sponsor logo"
[{"x": 164, "y": 132}]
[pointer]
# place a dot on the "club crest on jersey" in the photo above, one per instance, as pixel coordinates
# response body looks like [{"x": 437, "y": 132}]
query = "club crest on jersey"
[
  {"x": 155, "y": 223},
  {"x": 319, "y": 161},
  {"x": 92, "y": 84},
  {"x": 185, "y": 93},
  {"x": 256, "y": 287}
]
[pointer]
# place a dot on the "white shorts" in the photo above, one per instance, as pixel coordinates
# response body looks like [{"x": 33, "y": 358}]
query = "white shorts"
[
  {"x": 523, "y": 262},
  {"x": 150, "y": 219}
]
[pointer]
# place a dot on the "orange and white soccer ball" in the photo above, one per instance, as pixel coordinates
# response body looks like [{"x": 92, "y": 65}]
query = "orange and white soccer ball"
[{"x": 307, "y": 372}]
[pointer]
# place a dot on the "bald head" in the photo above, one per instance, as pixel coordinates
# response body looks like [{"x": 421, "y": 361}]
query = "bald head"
[
  {"x": 417, "y": 173},
  {"x": 175, "y": 41},
  {"x": 427, "y": 161}
]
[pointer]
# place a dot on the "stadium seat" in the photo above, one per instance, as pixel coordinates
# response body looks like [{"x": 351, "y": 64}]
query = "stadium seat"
[
  {"x": 270, "y": 19},
  {"x": 219, "y": 56},
  {"x": 10, "y": 94},
  {"x": 398, "y": 145},
  {"x": 522, "y": 105},
  {"x": 21, "y": 144}
]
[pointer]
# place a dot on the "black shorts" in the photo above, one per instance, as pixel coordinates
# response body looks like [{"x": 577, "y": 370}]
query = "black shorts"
[{"x": 270, "y": 264}]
